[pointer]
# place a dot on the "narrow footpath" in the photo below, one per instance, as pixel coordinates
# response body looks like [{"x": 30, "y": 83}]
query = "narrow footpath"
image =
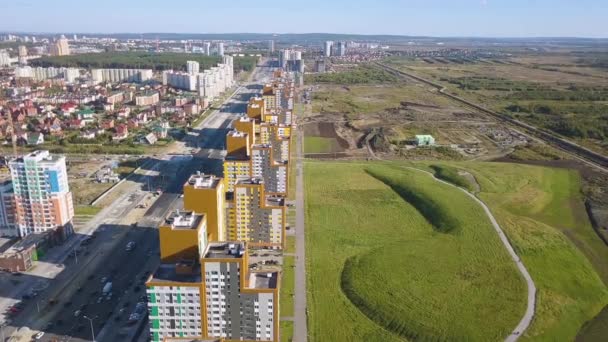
[
  {"x": 525, "y": 321},
  {"x": 300, "y": 310}
]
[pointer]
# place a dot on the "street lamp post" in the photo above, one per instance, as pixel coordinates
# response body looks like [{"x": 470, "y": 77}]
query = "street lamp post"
[{"x": 91, "y": 322}]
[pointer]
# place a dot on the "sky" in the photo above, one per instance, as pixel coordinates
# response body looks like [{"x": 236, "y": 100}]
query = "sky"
[{"x": 444, "y": 18}]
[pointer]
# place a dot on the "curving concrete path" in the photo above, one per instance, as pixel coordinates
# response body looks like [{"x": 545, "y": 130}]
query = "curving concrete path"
[{"x": 525, "y": 321}]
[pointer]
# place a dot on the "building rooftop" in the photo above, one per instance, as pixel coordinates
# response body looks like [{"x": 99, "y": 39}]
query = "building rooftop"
[
  {"x": 180, "y": 219},
  {"x": 275, "y": 201},
  {"x": 263, "y": 280},
  {"x": 249, "y": 181},
  {"x": 225, "y": 250},
  {"x": 13, "y": 246},
  {"x": 237, "y": 134},
  {"x": 148, "y": 93},
  {"x": 185, "y": 271},
  {"x": 245, "y": 119},
  {"x": 203, "y": 181},
  {"x": 39, "y": 156}
]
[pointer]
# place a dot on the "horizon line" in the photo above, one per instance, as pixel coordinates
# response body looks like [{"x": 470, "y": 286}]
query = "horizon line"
[{"x": 307, "y": 33}]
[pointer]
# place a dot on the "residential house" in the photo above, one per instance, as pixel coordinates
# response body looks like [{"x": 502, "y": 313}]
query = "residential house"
[
  {"x": 35, "y": 138},
  {"x": 142, "y": 117},
  {"x": 191, "y": 109},
  {"x": 122, "y": 132},
  {"x": 88, "y": 134},
  {"x": 68, "y": 108},
  {"x": 76, "y": 124},
  {"x": 123, "y": 113},
  {"x": 150, "y": 139},
  {"x": 133, "y": 123},
  {"x": 161, "y": 130},
  {"x": 107, "y": 124}
]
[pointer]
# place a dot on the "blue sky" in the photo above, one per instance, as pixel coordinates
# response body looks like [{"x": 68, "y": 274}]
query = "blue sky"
[{"x": 487, "y": 18}]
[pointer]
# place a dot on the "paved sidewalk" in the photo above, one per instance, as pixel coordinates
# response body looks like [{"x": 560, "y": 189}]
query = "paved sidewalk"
[{"x": 300, "y": 309}]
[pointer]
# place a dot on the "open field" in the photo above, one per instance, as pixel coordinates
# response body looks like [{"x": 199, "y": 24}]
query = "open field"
[
  {"x": 390, "y": 115},
  {"x": 82, "y": 182},
  {"x": 367, "y": 99},
  {"x": 558, "y": 91},
  {"x": 542, "y": 213},
  {"x": 366, "y": 243},
  {"x": 360, "y": 74},
  {"x": 539, "y": 208},
  {"x": 320, "y": 145}
]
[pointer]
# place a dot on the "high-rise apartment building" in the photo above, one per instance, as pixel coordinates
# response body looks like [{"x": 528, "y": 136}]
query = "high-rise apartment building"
[
  {"x": 264, "y": 166},
  {"x": 204, "y": 289},
  {"x": 271, "y": 46},
  {"x": 148, "y": 98},
  {"x": 341, "y": 49},
  {"x": 328, "y": 46},
  {"x": 205, "y": 194},
  {"x": 207, "y": 48},
  {"x": 22, "y": 51},
  {"x": 121, "y": 75},
  {"x": 41, "y": 74},
  {"x": 7, "y": 208},
  {"x": 43, "y": 201},
  {"x": 256, "y": 108},
  {"x": 60, "y": 47},
  {"x": 5, "y": 58},
  {"x": 210, "y": 83},
  {"x": 255, "y": 216},
  {"x": 220, "y": 49},
  {"x": 193, "y": 67}
]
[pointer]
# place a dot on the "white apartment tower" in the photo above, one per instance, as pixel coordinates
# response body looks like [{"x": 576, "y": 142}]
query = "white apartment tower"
[
  {"x": 193, "y": 67},
  {"x": 43, "y": 201},
  {"x": 328, "y": 46}
]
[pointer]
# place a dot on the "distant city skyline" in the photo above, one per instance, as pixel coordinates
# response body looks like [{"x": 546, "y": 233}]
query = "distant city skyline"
[{"x": 439, "y": 18}]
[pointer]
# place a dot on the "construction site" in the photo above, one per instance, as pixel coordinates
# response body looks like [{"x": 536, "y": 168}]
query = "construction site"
[{"x": 383, "y": 120}]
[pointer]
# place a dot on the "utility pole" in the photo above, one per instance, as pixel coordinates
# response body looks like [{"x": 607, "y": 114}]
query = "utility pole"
[{"x": 91, "y": 321}]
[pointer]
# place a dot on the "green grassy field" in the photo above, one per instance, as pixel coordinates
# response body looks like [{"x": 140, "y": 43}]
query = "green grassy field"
[
  {"x": 365, "y": 99},
  {"x": 350, "y": 215},
  {"x": 286, "y": 331},
  {"x": 86, "y": 210},
  {"x": 291, "y": 244},
  {"x": 542, "y": 213},
  {"x": 408, "y": 277},
  {"x": 320, "y": 145},
  {"x": 287, "y": 286}
]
